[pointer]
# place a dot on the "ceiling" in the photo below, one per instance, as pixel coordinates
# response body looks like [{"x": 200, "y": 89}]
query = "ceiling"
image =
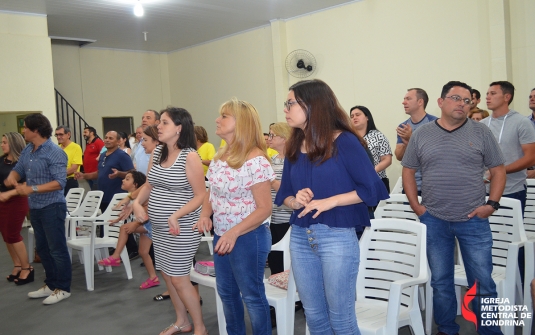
[{"x": 170, "y": 24}]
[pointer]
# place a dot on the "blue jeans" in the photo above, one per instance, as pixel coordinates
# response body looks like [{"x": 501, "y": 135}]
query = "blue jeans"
[
  {"x": 475, "y": 242},
  {"x": 240, "y": 275},
  {"x": 325, "y": 263},
  {"x": 51, "y": 245}
]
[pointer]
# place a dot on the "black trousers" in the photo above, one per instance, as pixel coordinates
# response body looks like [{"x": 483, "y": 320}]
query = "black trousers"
[{"x": 276, "y": 258}]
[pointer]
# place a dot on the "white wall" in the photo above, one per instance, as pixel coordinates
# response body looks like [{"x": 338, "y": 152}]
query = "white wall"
[
  {"x": 369, "y": 52},
  {"x": 26, "y": 80},
  {"x": 107, "y": 83},
  {"x": 204, "y": 77}
]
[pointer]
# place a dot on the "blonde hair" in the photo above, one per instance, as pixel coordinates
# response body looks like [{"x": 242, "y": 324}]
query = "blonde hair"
[
  {"x": 247, "y": 133},
  {"x": 16, "y": 143},
  {"x": 281, "y": 129}
]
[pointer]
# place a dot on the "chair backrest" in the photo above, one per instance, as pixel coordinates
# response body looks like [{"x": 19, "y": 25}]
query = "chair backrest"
[
  {"x": 507, "y": 226},
  {"x": 395, "y": 207},
  {"x": 111, "y": 214},
  {"x": 391, "y": 250},
  {"x": 74, "y": 198},
  {"x": 88, "y": 209},
  {"x": 398, "y": 188},
  {"x": 284, "y": 246},
  {"x": 529, "y": 211}
]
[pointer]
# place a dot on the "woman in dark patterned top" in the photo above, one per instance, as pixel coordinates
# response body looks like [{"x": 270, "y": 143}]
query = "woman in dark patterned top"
[
  {"x": 13, "y": 210},
  {"x": 362, "y": 120}
]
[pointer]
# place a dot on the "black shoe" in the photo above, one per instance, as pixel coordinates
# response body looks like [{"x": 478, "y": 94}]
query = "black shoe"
[
  {"x": 161, "y": 297},
  {"x": 133, "y": 255},
  {"x": 298, "y": 306},
  {"x": 11, "y": 277},
  {"x": 29, "y": 279}
]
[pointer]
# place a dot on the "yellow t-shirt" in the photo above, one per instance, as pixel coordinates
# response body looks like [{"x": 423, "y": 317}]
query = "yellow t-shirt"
[
  {"x": 207, "y": 152},
  {"x": 74, "y": 155},
  {"x": 270, "y": 152}
]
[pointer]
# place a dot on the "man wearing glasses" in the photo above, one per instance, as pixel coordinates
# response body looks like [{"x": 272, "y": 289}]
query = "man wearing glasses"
[
  {"x": 452, "y": 153},
  {"x": 515, "y": 135},
  {"x": 74, "y": 156},
  {"x": 113, "y": 158}
]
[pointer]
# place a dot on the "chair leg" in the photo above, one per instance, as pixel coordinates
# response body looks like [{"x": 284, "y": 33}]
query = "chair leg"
[
  {"x": 417, "y": 325},
  {"x": 530, "y": 274},
  {"x": 126, "y": 262},
  {"x": 421, "y": 297},
  {"x": 428, "y": 308},
  {"x": 89, "y": 271}
]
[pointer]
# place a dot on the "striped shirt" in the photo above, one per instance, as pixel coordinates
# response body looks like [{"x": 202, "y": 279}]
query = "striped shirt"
[
  {"x": 452, "y": 165},
  {"x": 280, "y": 214},
  {"x": 46, "y": 164}
]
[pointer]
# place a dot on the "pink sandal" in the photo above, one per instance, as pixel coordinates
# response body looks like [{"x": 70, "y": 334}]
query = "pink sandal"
[
  {"x": 150, "y": 283},
  {"x": 110, "y": 261}
]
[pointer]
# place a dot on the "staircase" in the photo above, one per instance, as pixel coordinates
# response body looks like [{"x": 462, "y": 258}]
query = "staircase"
[{"x": 66, "y": 115}]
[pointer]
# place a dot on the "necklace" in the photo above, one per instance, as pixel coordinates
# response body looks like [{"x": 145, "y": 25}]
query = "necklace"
[{"x": 7, "y": 161}]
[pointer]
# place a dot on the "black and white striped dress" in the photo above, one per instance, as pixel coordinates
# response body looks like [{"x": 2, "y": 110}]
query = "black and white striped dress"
[{"x": 170, "y": 191}]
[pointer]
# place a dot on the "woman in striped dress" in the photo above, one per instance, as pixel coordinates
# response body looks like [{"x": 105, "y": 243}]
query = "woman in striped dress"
[{"x": 175, "y": 191}]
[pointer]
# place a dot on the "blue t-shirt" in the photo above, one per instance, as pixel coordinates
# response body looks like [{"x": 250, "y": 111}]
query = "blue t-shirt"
[
  {"x": 119, "y": 160},
  {"x": 426, "y": 119},
  {"x": 348, "y": 170}
]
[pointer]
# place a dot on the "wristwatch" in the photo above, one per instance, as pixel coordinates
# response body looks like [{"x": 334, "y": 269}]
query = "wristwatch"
[
  {"x": 493, "y": 204},
  {"x": 34, "y": 188}
]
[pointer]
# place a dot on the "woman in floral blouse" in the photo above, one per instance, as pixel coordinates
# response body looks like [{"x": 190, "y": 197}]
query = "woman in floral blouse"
[{"x": 240, "y": 178}]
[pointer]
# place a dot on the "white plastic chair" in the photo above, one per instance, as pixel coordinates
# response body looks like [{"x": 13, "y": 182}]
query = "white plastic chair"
[
  {"x": 398, "y": 188},
  {"x": 396, "y": 207},
  {"x": 88, "y": 209},
  {"x": 529, "y": 210},
  {"x": 508, "y": 236},
  {"x": 283, "y": 300},
  {"x": 94, "y": 245},
  {"x": 393, "y": 262},
  {"x": 73, "y": 200}
]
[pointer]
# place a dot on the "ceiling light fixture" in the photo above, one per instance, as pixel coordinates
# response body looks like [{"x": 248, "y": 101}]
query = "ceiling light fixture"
[{"x": 138, "y": 9}]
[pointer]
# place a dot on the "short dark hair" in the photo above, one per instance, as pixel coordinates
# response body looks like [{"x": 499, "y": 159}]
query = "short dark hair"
[
  {"x": 446, "y": 88},
  {"x": 201, "y": 134},
  {"x": 156, "y": 114},
  {"x": 420, "y": 94},
  {"x": 371, "y": 124},
  {"x": 91, "y": 130},
  {"x": 476, "y": 92},
  {"x": 139, "y": 177},
  {"x": 186, "y": 139},
  {"x": 506, "y": 87},
  {"x": 40, "y": 123},
  {"x": 65, "y": 129}
]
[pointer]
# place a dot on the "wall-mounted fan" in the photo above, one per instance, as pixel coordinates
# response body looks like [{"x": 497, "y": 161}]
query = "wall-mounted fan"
[{"x": 300, "y": 63}]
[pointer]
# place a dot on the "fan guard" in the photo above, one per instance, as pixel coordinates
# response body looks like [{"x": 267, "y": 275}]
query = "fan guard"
[{"x": 300, "y": 63}]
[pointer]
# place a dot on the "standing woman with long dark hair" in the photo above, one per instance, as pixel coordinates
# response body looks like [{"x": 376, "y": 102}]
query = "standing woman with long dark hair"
[
  {"x": 240, "y": 178},
  {"x": 329, "y": 182},
  {"x": 362, "y": 120},
  {"x": 175, "y": 191},
  {"x": 13, "y": 210}
]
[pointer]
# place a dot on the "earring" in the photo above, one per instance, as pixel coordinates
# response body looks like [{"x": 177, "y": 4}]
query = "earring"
[{"x": 178, "y": 133}]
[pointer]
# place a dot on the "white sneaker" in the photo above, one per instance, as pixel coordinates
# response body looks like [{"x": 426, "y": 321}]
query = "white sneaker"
[
  {"x": 56, "y": 297},
  {"x": 43, "y": 292}
]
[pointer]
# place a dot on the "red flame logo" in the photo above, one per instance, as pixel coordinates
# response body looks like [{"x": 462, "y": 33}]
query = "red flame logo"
[{"x": 468, "y": 314}]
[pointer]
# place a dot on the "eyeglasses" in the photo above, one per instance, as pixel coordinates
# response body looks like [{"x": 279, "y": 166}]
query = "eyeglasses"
[
  {"x": 271, "y": 135},
  {"x": 457, "y": 98},
  {"x": 59, "y": 135},
  {"x": 104, "y": 161},
  {"x": 288, "y": 104}
]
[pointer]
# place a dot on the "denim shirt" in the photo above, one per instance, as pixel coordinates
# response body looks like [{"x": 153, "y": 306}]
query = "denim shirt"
[{"x": 46, "y": 164}]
